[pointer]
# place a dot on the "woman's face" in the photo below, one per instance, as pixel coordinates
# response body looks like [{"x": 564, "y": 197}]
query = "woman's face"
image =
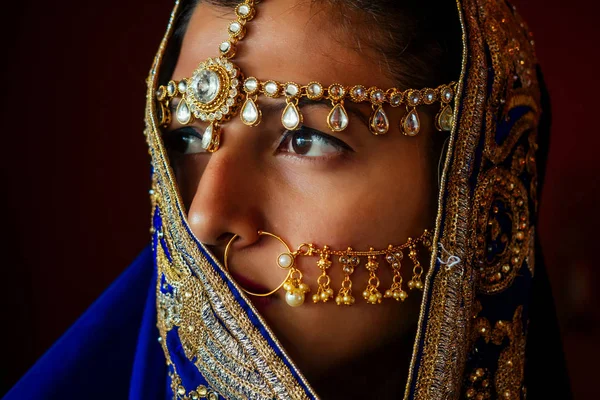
[{"x": 338, "y": 189}]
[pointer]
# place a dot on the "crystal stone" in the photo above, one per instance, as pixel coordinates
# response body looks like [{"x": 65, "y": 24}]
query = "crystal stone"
[
  {"x": 336, "y": 91},
  {"x": 291, "y": 89},
  {"x": 411, "y": 124},
  {"x": 244, "y": 10},
  {"x": 396, "y": 99},
  {"x": 183, "y": 113},
  {"x": 338, "y": 118},
  {"x": 359, "y": 93},
  {"x": 271, "y": 88},
  {"x": 291, "y": 117},
  {"x": 225, "y": 47},
  {"x": 250, "y": 114},
  {"x": 171, "y": 88},
  {"x": 182, "y": 87},
  {"x": 378, "y": 96},
  {"x": 447, "y": 94},
  {"x": 207, "y": 138},
  {"x": 206, "y": 85},
  {"x": 445, "y": 119},
  {"x": 235, "y": 27},
  {"x": 314, "y": 90},
  {"x": 379, "y": 122},
  {"x": 250, "y": 85}
]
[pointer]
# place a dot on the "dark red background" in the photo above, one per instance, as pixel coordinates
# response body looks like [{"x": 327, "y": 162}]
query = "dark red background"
[{"x": 75, "y": 169}]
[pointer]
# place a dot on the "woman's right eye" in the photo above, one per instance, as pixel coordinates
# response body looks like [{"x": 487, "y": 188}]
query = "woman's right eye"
[{"x": 186, "y": 140}]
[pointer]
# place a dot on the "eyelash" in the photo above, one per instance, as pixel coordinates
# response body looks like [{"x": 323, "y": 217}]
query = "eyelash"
[{"x": 175, "y": 141}]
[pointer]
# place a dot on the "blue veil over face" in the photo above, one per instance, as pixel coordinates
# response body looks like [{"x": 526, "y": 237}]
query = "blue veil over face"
[{"x": 486, "y": 298}]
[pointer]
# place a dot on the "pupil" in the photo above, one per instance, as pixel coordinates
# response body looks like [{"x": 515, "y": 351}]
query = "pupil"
[{"x": 301, "y": 142}]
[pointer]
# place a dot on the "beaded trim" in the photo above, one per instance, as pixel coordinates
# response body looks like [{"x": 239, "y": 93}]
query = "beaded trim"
[{"x": 217, "y": 91}]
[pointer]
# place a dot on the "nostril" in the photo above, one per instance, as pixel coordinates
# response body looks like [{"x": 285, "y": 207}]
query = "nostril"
[{"x": 224, "y": 238}]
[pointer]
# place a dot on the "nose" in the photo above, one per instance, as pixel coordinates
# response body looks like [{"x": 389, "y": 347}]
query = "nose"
[{"x": 227, "y": 200}]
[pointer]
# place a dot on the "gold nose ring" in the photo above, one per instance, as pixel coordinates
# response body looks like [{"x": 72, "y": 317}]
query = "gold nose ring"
[{"x": 285, "y": 261}]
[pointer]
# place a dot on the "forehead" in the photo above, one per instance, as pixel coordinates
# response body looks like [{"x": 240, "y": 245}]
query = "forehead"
[{"x": 288, "y": 40}]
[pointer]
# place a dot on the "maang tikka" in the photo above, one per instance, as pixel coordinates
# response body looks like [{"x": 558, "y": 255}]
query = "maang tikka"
[
  {"x": 217, "y": 91},
  {"x": 349, "y": 260}
]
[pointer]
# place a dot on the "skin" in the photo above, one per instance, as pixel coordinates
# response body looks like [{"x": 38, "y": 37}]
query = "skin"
[{"x": 378, "y": 193}]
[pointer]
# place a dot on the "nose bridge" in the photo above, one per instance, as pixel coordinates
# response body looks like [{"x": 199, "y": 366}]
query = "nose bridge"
[{"x": 225, "y": 199}]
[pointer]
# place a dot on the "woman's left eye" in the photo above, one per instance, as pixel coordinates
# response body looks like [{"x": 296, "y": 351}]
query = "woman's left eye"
[{"x": 308, "y": 142}]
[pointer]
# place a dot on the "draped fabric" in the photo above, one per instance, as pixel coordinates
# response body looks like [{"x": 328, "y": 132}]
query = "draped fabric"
[{"x": 180, "y": 328}]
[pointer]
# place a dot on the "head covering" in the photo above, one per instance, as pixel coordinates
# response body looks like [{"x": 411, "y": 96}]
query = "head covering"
[{"x": 472, "y": 331}]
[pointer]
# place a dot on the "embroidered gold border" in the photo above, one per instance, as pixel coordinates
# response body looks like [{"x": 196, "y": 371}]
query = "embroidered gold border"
[{"x": 225, "y": 306}]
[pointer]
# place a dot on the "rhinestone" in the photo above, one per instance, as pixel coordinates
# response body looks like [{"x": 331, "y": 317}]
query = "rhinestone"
[
  {"x": 411, "y": 123},
  {"x": 250, "y": 114},
  {"x": 230, "y": 102},
  {"x": 445, "y": 119},
  {"x": 336, "y": 91},
  {"x": 225, "y": 109},
  {"x": 291, "y": 89},
  {"x": 234, "y": 83},
  {"x": 235, "y": 28},
  {"x": 183, "y": 113},
  {"x": 291, "y": 117},
  {"x": 211, "y": 116},
  {"x": 171, "y": 88},
  {"x": 271, "y": 88},
  {"x": 206, "y": 85},
  {"x": 337, "y": 118},
  {"x": 413, "y": 98},
  {"x": 225, "y": 47},
  {"x": 234, "y": 72},
  {"x": 229, "y": 66},
  {"x": 243, "y": 10},
  {"x": 429, "y": 96},
  {"x": 314, "y": 90},
  {"x": 250, "y": 85},
  {"x": 377, "y": 96},
  {"x": 207, "y": 138},
  {"x": 358, "y": 93},
  {"x": 396, "y": 99},
  {"x": 348, "y": 269},
  {"x": 203, "y": 116},
  {"x": 161, "y": 93},
  {"x": 182, "y": 87},
  {"x": 218, "y": 115},
  {"x": 447, "y": 94},
  {"x": 379, "y": 122},
  {"x": 233, "y": 92}
]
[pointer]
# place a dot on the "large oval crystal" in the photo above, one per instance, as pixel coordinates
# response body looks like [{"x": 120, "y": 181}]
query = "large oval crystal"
[{"x": 206, "y": 85}]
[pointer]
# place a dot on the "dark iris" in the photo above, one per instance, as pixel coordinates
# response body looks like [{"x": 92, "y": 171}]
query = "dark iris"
[
  {"x": 178, "y": 140},
  {"x": 302, "y": 142}
]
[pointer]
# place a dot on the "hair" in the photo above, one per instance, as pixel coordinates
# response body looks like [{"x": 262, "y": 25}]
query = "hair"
[{"x": 420, "y": 41}]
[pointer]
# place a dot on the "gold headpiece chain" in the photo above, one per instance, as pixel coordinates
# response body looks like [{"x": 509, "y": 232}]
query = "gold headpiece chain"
[
  {"x": 349, "y": 259},
  {"x": 217, "y": 91}
]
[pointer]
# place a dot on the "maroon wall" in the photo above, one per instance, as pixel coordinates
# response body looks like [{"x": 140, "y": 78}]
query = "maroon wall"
[{"x": 75, "y": 168}]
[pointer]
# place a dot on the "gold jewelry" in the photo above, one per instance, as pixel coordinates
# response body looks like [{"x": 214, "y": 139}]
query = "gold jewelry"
[
  {"x": 217, "y": 91},
  {"x": 284, "y": 260},
  {"x": 349, "y": 259}
]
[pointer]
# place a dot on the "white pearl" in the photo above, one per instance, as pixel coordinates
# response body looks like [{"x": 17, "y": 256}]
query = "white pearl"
[
  {"x": 285, "y": 260},
  {"x": 294, "y": 298}
]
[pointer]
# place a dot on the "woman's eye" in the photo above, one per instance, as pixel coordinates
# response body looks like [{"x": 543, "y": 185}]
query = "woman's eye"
[
  {"x": 184, "y": 141},
  {"x": 309, "y": 142}
]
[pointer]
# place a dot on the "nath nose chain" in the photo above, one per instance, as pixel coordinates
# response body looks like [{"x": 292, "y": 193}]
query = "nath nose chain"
[
  {"x": 349, "y": 260},
  {"x": 217, "y": 91}
]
